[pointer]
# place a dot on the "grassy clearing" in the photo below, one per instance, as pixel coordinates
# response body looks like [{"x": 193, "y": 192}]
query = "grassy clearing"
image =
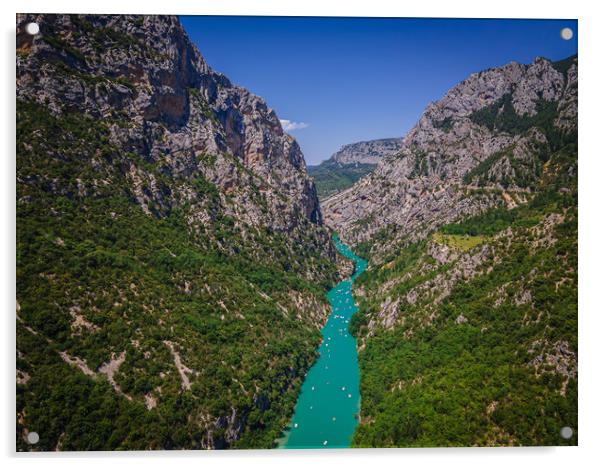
[{"x": 462, "y": 242}]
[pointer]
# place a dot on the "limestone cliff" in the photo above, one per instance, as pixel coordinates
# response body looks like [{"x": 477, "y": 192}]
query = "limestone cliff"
[{"x": 483, "y": 144}]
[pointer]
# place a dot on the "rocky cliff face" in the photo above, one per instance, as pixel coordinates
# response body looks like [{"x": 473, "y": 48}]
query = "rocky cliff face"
[
  {"x": 172, "y": 257},
  {"x": 483, "y": 144},
  {"x": 367, "y": 152},
  {"x": 179, "y": 113}
]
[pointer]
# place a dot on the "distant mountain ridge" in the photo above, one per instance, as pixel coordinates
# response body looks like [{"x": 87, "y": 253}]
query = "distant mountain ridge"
[
  {"x": 350, "y": 163},
  {"x": 366, "y": 152}
]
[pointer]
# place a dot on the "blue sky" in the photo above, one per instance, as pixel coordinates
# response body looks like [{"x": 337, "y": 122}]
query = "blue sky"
[{"x": 343, "y": 80}]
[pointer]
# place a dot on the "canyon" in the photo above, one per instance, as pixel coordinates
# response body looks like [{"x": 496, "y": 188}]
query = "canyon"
[{"x": 177, "y": 261}]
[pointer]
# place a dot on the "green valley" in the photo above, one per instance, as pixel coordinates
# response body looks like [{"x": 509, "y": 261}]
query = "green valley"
[{"x": 331, "y": 177}]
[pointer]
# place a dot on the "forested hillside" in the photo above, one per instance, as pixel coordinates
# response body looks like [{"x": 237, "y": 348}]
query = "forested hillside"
[
  {"x": 331, "y": 177},
  {"x": 470, "y": 336},
  {"x": 171, "y": 257}
]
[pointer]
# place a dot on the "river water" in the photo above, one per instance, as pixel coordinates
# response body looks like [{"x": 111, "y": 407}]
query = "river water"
[{"x": 326, "y": 412}]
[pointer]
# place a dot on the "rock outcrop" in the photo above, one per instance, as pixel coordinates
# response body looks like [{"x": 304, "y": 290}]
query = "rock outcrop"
[{"x": 366, "y": 152}]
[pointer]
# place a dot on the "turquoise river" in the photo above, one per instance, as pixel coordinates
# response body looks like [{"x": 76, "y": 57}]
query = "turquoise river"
[{"x": 326, "y": 412}]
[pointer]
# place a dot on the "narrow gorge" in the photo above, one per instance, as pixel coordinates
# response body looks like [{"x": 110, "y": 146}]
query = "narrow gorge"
[{"x": 185, "y": 281}]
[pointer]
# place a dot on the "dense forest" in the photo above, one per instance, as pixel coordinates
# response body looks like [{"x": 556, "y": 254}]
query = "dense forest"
[{"x": 99, "y": 279}]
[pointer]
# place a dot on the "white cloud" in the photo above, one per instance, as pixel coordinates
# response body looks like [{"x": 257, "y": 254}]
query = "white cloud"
[{"x": 289, "y": 125}]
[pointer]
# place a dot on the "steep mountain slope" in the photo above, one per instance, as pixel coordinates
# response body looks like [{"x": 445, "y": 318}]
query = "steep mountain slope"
[
  {"x": 468, "y": 311},
  {"x": 350, "y": 163},
  {"x": 482, "y": 145},
  {"x": 171, "y": 257}
]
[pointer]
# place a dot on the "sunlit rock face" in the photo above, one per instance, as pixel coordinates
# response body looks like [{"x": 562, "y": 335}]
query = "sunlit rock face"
[
  {"x": 145, "y": 72},
  {"x": 464, "y": 153}
]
